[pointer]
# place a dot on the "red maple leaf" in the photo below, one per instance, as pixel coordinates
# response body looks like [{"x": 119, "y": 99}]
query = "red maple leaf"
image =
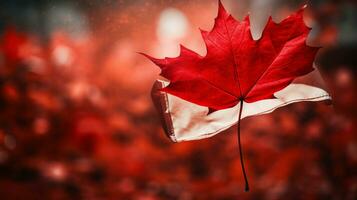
[{"x": 237, "y": 67}]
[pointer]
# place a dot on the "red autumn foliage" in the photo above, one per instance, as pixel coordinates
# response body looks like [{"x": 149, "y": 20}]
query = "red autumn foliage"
[
  {"x": 52, "y": 104},
  {"x": 12, "y": 45}
]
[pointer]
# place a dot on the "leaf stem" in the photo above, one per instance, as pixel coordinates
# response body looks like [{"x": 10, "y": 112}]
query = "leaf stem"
[{"x": 240, "y": 147}]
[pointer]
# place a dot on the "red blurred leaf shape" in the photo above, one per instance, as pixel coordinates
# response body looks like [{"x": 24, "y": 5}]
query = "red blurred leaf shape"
[
  {"x": 236, "y": 66},
  {"x": 12, "y": 42}
]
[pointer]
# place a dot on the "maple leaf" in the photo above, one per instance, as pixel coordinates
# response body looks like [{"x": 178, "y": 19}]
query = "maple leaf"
[{"x": 237, "y": 67}]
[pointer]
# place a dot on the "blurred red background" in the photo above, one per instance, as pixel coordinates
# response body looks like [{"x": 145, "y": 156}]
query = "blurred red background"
[{"x": 77, "y": 122}]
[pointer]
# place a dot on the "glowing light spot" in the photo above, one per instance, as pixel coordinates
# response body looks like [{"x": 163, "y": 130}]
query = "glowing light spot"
[
  {"x": 62, "y": 56},
  {"x": 55, "y": 171},
  {"x": 172, "y": 25},
  {"x": 343, "y": 77}
]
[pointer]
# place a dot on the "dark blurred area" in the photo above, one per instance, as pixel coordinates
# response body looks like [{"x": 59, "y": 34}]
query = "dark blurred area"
[{"x": 77, "y": 122}]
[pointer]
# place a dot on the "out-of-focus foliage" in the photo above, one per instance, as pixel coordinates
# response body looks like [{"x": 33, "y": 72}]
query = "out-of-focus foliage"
[{"x": 76, "y": 121}]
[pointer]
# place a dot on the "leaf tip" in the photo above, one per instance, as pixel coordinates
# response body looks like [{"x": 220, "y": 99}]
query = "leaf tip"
[
  {"x": 301, "y": 10},
  {"x": 221, "y": 10},
  {"x": 158, "y": 62},
  {"x": 145, "y": 55},
  {"x": 183, "y": 50}
]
